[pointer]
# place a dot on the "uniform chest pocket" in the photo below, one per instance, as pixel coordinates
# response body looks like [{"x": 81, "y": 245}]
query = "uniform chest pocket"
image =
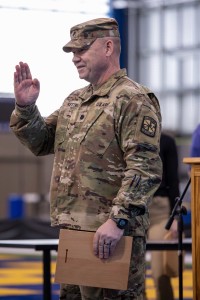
[
  {"x": 59, "y": 142},
  {"x": 99, "y": 133}
]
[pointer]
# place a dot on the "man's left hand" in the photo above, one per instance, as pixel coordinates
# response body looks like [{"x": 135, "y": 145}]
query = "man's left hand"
[{"x": 106, "y": 238}]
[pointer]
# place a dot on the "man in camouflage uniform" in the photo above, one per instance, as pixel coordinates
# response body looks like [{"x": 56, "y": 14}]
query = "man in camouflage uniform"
[{"x": 105, "y": 138}]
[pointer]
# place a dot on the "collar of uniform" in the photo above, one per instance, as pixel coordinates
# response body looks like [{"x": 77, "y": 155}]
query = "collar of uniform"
[{"x": 104, "y": 88}]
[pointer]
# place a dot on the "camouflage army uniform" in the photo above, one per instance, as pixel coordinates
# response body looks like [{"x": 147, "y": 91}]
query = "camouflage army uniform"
[{"x": 107, "y": 164}]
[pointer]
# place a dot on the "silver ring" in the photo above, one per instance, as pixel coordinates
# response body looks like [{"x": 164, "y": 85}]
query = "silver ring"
[{"x": 107, "y": 244}]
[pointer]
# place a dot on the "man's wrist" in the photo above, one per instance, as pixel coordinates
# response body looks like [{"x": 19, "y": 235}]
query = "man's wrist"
[
  {"x": 121, "y": 223},
  {"x": 24, "y": 105}
]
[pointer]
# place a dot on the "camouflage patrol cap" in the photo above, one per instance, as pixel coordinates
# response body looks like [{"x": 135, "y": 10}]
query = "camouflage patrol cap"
[{"x": 84, "y": 34}]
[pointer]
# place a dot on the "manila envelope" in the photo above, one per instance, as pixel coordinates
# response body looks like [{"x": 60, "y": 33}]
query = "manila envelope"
[{"x": 76, "y": 264}]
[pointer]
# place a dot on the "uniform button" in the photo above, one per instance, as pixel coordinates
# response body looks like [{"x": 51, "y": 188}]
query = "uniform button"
[{"x": 57, "y": 178}]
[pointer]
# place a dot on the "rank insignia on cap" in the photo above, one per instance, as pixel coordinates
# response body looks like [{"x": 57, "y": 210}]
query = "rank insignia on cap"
[{"x": 149, "y": 126}]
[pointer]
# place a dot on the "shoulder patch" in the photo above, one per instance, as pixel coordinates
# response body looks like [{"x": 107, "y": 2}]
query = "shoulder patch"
[{"x": 148, "y": 126}]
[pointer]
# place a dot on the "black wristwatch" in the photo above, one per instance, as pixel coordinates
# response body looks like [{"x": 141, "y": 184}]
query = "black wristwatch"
[{"x": 121, "y": 223}]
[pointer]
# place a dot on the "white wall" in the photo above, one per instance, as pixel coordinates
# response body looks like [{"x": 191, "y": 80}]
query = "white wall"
[{"x": 34, "y": 31}]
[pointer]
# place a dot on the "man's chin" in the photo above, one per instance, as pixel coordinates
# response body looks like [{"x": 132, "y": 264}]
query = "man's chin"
[{"x": 82, "y": 76}]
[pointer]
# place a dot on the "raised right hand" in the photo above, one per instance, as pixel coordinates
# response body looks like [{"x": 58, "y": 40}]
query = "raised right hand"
[{"x": 26, "y": 89}]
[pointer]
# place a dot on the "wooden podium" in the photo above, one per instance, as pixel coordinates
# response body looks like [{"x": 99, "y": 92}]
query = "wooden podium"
[{"x": 195, "y": 212}]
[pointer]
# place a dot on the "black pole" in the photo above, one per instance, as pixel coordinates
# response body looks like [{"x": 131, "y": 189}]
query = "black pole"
[
  {"x": 46, "y": 274},
  {"x": 180, "y": 252},
  {"x": 179, "y": 211}
]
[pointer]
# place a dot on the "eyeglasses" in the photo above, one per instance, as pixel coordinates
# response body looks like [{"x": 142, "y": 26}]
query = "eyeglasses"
[{"x": 83, "y": 49}]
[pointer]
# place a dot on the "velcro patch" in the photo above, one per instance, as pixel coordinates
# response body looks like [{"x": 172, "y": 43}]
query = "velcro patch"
[{"x": 149, "y": 126}]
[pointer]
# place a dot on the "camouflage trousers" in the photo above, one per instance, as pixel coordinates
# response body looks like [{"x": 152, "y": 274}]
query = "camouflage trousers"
[{"x": 136, "y": 281}]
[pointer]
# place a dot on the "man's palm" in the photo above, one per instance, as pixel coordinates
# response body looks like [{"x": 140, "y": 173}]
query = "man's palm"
[{"x": 26, "y": 89}]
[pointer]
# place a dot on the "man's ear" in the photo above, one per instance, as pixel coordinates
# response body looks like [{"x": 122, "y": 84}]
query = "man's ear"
[{"x": 109, "y": 47}]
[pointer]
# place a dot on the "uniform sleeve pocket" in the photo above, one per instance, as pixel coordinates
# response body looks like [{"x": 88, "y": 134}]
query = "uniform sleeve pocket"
[{"x": 148, "y": 127}]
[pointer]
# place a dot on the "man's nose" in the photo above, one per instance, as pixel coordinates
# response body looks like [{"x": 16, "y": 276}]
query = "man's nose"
[{"x": 75, "y": 58}]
